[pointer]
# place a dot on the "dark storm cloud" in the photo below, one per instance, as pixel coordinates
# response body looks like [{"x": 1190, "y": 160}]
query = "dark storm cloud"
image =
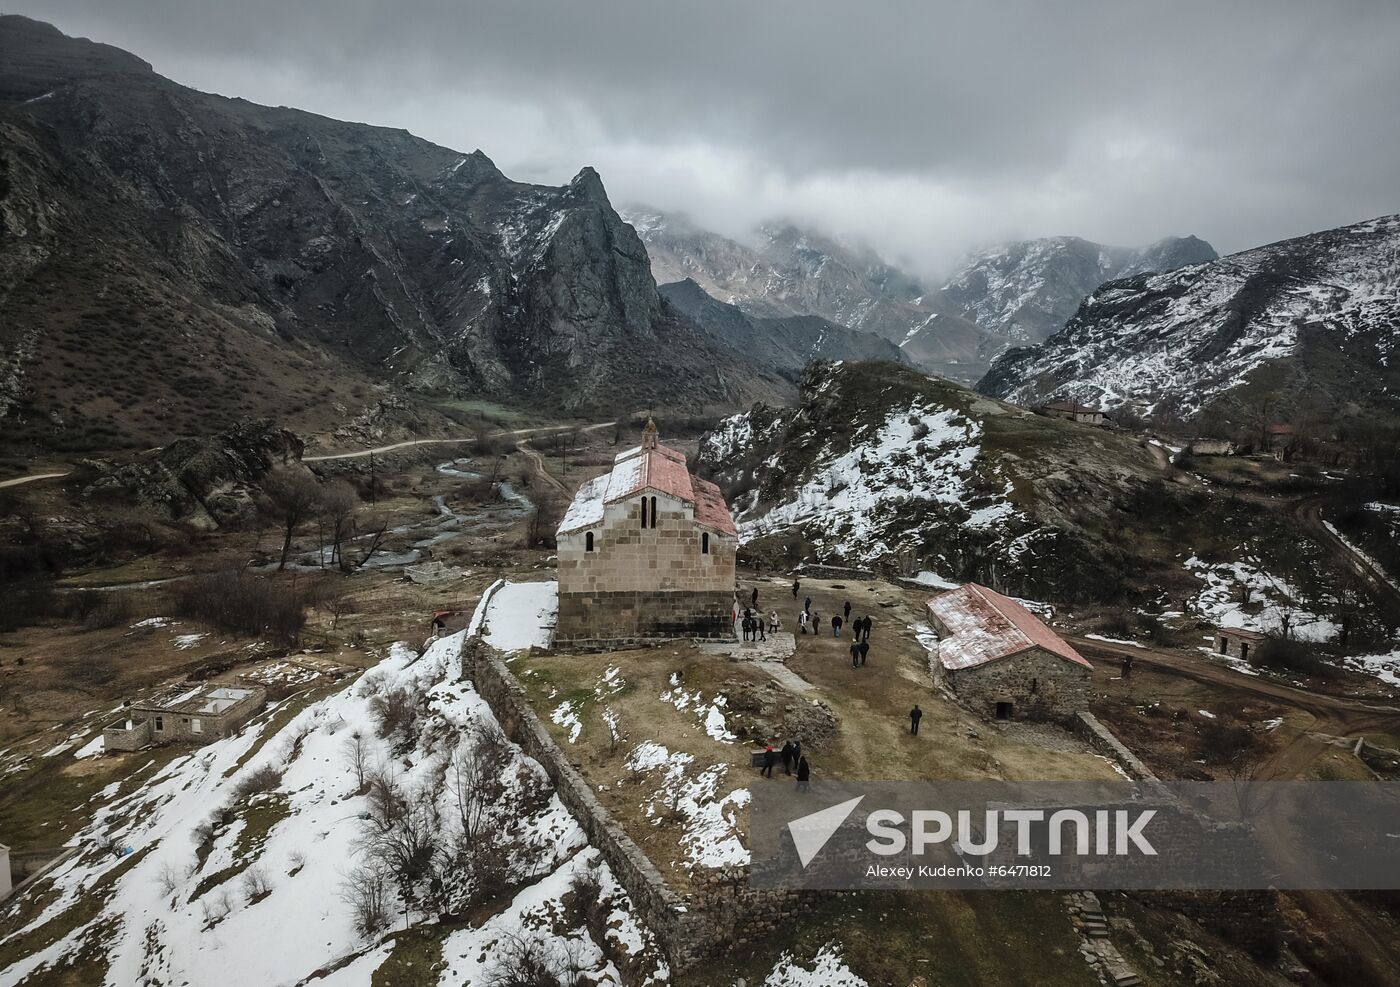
[{"x": 925, "y": 128}]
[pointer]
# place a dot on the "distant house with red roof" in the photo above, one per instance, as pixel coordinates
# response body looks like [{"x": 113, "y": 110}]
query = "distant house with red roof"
[
  {"x": 1002, "y": 660},
  {"x": 646, "y": 551}
]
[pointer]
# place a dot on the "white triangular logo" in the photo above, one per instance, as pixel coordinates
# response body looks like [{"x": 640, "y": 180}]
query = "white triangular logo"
[{"x": 810, "y": 833}]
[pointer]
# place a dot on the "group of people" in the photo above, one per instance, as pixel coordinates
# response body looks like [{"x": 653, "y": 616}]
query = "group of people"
[
  {"x": 751, "y": 623},
  {"x": 793, "y": 760}
]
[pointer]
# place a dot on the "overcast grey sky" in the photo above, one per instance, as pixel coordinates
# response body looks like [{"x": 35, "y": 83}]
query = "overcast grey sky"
[{"x": 923, "y": 127}]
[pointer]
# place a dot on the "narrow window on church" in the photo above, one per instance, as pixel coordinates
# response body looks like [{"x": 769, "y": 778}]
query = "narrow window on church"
[
  {"x": 588, "y": 542},
  {"x": 705, "y": 542},
  {"x": 644, "y": 512},
  {"x": 653, "y": 512}
]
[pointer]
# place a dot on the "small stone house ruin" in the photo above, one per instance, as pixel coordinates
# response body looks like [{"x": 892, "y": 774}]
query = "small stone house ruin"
[
  {"x": 646, "y": 552},
  {"x": 1002, "y": 661},
  {"x": 1073, "y": 411},
  {"x": 1236, "y": 642},
  {"x": 193, "y": 713}
]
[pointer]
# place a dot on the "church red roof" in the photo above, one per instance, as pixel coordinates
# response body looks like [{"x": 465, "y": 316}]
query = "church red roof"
[
  {"x": 710, "y": 508},
  {"x": 655, "y": 467}
]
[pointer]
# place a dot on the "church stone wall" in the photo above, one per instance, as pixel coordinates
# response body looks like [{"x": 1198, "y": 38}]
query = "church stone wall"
[{"x": 640, "y": 583}]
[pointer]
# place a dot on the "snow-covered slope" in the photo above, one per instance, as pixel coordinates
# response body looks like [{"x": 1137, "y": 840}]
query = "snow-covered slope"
[
  {"x": 1319, "y": 313},
  {"x": 879, "y": 464},
  {"x": 1027, "y": 290},
  {"x": 238, "y": 862}
]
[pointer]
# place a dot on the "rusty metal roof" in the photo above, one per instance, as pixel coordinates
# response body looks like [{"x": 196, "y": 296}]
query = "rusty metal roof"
[{"x": 984, "y": 626}]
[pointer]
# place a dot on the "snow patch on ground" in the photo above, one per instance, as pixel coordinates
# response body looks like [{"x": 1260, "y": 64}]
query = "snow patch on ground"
[
  {"x": 520, "y": 616},
  {"x": 1273, "y": 603},
  {"x": 827, "y": 969}
]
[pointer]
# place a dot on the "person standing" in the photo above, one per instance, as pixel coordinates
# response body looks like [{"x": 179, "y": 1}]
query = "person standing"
[
  {"x": 855, "y": 652},
  {"x": 795, "y": 587},
  {"x": 796, "y": 751},
  {"x": 816, "y": 620},
  {"x": 802, "y": 621},
  {"x": 804, "y": 775},
  {"x": 846, "y": 611},
  {"x": 769, "y": 757},
  {"x": 864, "y": 650},
  {"x": 808, "y": 605},
  {"x": 787, "y": 758},
  {"x": 836, "y": 625},
  {"x": 865, "y": 631},
  {"x": 773, "y": 624},
  {"x": 915, "y": 715},
  {"x": 758, "y": 627},
  {"x": 753, "y": 601}
]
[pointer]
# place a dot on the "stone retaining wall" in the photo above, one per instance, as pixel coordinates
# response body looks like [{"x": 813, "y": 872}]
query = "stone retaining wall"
[
  {"x": 1087, "y": 725},
  {"x": 720, "y": 912}
]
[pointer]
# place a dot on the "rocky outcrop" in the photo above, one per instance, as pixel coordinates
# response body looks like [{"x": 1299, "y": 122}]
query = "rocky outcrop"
[
  {"x": 172, "y": 252},
  {"x": 209, "y": 482}
]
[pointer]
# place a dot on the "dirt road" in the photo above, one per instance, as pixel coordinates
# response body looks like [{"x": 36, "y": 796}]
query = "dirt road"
[
  {"x": 31, "y": 478},
  {"x": 517, "y": 433},
  {"x": 1308, "y": 514}
]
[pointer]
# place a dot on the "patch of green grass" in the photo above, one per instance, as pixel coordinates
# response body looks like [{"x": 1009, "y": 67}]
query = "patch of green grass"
[
  {"x": 416, "y": 959},
  {"x": 487, "y": 411},
  {"x": 44, "y": 804}
]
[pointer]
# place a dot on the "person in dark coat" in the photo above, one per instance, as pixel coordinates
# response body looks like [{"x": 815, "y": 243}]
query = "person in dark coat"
[
  {"x": 865, "y": 631},
  {"x": 808, "y": 605},
  {"x": 753, "y": 601},
  {"x": 787, "y": 758},
  {"x": 855, "y": 652},
  {"x": 846, "y": 611},
  {"x": 758, "y": 628},
  {"x": 796, "y": 751},
  {"x": 1127, "y": 666},
  {"x": 747, "y": 625},
  {"x": 769, "y": 759},
  {"x": 795, "y": 587},
  {"x": 836, "y": 625},
  {"x": 915, "y": 715},
  {"x": 864, "y": 650},
  {"x": 804, "y": 775}
]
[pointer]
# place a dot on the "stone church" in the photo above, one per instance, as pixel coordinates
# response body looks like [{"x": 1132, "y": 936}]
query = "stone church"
[{"x": 646, "y": 552}]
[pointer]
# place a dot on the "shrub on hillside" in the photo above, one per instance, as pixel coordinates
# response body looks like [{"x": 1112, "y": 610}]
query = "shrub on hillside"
[
  {"x": 1287, "y": 654},
  {"x": 240, "y": 602}
]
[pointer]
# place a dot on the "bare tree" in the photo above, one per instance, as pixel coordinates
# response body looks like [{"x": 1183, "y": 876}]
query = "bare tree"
[
  {"x": 358, "y": 757},
  {"x": 339, "y": 504},
  {"x": 293, "y": 498},
  {"x": 368, "y": 891}
]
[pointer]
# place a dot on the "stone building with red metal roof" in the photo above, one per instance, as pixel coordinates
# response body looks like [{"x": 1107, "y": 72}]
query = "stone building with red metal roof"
[
  {"x": 646, "y": 552},
  {"x": 1002, "y": 660}
]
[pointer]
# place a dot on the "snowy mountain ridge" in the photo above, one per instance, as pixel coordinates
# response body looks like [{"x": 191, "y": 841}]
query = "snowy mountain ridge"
[
  {"x": 1026, "y": 290},
  {"x": 1319, "y": 312},
  {"x": 1016, "y": 293}
]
